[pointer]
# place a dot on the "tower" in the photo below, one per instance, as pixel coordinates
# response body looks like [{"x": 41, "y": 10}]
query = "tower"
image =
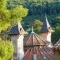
[
  {"x": 46, "y": 31},
  {"x": 17, "y": 35}
]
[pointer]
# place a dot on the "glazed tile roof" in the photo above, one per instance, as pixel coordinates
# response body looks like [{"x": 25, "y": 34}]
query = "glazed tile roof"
[
  {"x": 46, "y": 26},
  {"x": 57, "y": 45},
  {"x": 41, "y": 53},
  {"x": 34, "y": 39},
  {"x": 18, "y": 29}
]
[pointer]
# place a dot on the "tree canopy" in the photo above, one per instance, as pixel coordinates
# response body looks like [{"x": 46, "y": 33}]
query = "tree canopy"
[
  {"x": 6, "y": 50},
  {"x": 8, "y": 17},
  {"x": 37, "y": 24},
  {"x": 3, "y": 4}
]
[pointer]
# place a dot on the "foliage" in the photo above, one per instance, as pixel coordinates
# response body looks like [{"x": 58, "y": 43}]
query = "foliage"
[
  {"x": 10, "y": 17},
  {"x": 6, "y": 50},
  {"x": 37, "y": 6},
  {"x": 18, "y": 13},
  {"x": 4, "y": 18},
  {"x": 37, "y": 25},
  {"x": 56, "y": 34},
  {"x": 3, "y": 4}
]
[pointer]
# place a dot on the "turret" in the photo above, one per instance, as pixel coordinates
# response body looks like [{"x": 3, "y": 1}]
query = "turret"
[
  {"x": 46, "y": 31},
  {"x": 17, "y": 35}
]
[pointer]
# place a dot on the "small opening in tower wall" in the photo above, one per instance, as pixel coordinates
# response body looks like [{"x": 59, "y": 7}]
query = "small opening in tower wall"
[
  {"x": 35, "y": 57},
  {"x": 44, "y": 57},
  {"x": 20, "y": 29}
]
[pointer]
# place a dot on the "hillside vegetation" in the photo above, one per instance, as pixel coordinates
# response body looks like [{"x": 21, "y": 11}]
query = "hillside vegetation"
[{"x": 37, "y": 10}]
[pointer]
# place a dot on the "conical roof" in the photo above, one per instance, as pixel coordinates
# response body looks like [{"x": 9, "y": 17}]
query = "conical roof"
[
  {"x": 46, "y": 26},
  {"x": 40, "y": 54},
  {"x": 18, "y": 29},
  {"x": 34, "y": 39}
]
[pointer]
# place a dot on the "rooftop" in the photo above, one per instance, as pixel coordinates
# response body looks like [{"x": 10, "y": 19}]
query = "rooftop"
[
  {"x": 34, "y": 39},
  {"x": 41, "y": 54}
]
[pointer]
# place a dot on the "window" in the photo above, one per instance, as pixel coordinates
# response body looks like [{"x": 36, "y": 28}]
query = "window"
[
  {"x": 20, "y": 29},
  {"x": 35, "y": 57},
  {"x": 44, "y": 57}
]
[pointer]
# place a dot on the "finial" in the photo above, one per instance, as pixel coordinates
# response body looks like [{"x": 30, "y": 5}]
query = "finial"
[{"x": 32, "y": 30}]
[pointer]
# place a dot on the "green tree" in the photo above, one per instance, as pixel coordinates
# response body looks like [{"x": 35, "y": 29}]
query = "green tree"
[
  {"x": 3, "y": 4},
  {"x": 4, "y": 15},
  {"x": 6, "y": 50},
  {"x": 8, "y": 17},
  {"x": 56, "y": 35},
  {"x": 18, "y": 13},
  {"x": 37, "y": 25},
  {"x": 4, "y": 19}
]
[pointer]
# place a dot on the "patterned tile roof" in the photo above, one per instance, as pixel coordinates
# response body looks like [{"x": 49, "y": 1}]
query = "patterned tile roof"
[
  {"x": 41, "y": 53},
  {"x": 57, "y": 45},
  {"x": 34, "y": 39}
]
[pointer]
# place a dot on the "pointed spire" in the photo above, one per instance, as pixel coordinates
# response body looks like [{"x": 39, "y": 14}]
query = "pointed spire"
[{"x": 46, "y": 25}]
